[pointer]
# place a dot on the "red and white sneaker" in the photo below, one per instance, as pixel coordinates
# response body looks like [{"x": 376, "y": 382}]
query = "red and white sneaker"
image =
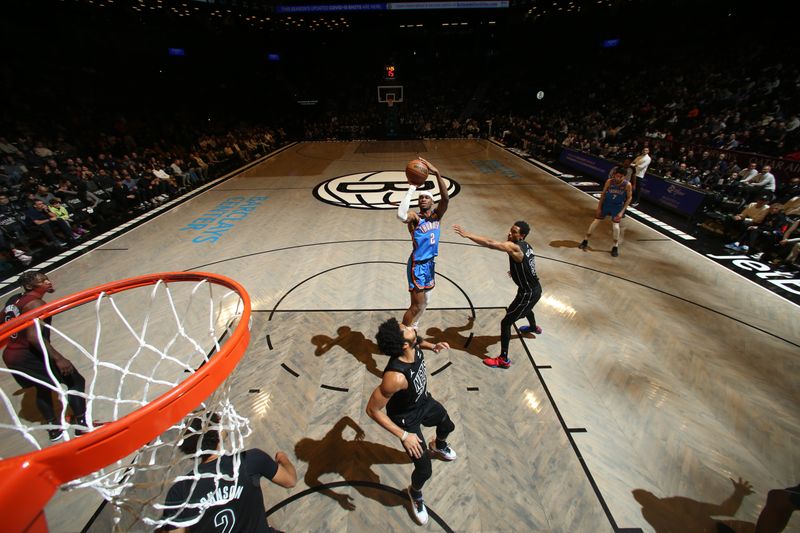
[
  {"x": 445, "y": 454},
  {"x": 497, "y": 362},
  {"x": 418, "y": 508}
]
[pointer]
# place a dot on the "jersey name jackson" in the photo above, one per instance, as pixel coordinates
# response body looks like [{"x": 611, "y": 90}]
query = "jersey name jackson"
[{"x": 221, "y": 495}]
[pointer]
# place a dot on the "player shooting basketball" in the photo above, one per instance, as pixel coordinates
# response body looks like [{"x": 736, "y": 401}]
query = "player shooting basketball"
[{"x": 424, "y": 229}]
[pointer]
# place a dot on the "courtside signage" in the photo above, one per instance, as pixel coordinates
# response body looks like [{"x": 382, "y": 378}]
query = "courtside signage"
[
  {"x": 383, "y": 189},
  {"x": 215, "y": 223},
  {"x": 751, "y": 268}
]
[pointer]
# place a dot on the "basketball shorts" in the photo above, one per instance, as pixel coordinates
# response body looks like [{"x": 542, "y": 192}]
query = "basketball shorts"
[
  {"x": 610, "y": 211},
  {"x": 420, "y": 274}
]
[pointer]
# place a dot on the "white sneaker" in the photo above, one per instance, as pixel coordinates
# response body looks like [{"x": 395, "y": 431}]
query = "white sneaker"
[
  {"x": 418, "y": 508},
  {"x": 445, "y": 454}
]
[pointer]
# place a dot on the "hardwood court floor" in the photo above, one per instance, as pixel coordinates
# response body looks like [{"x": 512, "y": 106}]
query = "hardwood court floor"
[{"x": 664, "y": 373}]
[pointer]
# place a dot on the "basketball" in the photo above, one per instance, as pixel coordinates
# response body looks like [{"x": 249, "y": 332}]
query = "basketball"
[{"x": 416, "y": 172}]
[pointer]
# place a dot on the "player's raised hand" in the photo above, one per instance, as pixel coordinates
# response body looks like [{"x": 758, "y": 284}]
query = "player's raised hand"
[
  {"x": 459, "y": 230},
  {"x": 431, "y": 166}
]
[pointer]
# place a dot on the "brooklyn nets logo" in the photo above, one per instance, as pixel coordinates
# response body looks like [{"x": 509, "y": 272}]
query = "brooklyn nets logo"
[{"x": 383, "y": 189}]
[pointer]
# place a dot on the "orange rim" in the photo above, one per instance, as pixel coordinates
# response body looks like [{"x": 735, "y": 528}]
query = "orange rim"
[{"x": 29, "y": 480}]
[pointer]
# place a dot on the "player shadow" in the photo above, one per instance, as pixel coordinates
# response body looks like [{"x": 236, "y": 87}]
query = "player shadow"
[
  {"x": 564, "y": 244},
  {"x": 477, "y": 345},
  {"x": 28, "y": 410},
  {"x": 678, "y": 513},
  {"x": 353, "y": 342},
  {"x": 575, "y": 244},
  {"x": 350, "y": 459}
]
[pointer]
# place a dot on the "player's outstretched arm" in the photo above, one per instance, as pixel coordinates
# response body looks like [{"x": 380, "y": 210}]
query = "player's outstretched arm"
[
  {"x": 506, "y": 246},
  {"x": 444, "y": 200}
]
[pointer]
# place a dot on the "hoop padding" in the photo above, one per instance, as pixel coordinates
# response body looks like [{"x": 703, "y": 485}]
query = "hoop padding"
[{"x": 28, "y": 481}]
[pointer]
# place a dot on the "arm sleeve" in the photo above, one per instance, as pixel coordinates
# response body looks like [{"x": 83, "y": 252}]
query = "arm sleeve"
[
  {"x": 259, "y": 465},
  {"x": 402, "y": 210}
]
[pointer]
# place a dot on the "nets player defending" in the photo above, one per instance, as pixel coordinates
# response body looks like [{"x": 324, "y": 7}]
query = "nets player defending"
[
  {"x": 199, "y": 492},
  {"x": 409, "y": 406},
  {"x": 26, "y": 354},
  {"x": 522, "y": 269},
  {"x": 613, "y": 202},
  {"x": 424, "y": 229}
]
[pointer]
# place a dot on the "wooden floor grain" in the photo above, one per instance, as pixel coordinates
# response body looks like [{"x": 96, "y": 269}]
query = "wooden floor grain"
[{"x": 659, "y": 378}]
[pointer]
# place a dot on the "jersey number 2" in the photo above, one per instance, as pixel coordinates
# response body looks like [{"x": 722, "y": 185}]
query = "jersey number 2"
[
  {"x": 225, "y": 519},
  {"x": 433, "y": 239}
]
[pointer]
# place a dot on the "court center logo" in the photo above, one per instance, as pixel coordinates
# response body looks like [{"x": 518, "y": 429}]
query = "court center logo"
[{"x": 383, "y": 189}]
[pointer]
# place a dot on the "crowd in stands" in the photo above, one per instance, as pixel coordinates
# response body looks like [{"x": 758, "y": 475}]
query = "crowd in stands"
[
  {"x": 703, "y": 127},
  {"x": 702, "y": 131},
  {"x": 52, "y": 196}
]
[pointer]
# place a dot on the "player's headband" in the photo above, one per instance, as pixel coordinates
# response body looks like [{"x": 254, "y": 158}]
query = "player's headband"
[{"x": 426, "y": 193}]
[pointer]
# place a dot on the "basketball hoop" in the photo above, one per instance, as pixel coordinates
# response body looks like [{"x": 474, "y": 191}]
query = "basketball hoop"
[
  {"x": 183, "y": 348},
  {"x": 390, "y": 100}
]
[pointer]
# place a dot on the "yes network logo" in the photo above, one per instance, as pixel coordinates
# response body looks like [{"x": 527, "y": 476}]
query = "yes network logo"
[{"x": 383, "y": 189}]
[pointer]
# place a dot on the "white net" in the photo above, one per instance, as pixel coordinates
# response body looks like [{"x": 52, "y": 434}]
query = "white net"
[
  {"x": 139, "y": 490},
  {"x": 130, "y": 347}
]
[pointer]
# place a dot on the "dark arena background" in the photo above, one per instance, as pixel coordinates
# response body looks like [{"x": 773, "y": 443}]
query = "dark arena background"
[{"x": 266, "y": 141}]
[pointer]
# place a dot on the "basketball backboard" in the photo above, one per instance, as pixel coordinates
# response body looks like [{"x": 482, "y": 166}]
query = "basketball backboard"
[{"x": 390, "y": 92}]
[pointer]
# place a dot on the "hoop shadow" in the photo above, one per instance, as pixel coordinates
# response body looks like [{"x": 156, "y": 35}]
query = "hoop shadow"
[
  {"x": 355, "y": 343},
  {"x": 352, "y": 460},
  {"x": 678, "y": 513}
]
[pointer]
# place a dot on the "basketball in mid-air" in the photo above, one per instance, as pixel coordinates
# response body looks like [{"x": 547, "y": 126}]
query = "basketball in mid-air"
[{"x": 416, "y": 172}]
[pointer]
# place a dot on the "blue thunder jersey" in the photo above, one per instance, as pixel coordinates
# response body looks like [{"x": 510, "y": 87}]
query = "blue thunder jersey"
[
  {"x": 426, "y": 238},
  {"x": 615, "y": 196}
]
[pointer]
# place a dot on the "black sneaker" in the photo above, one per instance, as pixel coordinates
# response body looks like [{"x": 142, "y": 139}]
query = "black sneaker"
[
  {"x": 614, "y": 252},
  {"x": 55, "y": 434},
  {"x": 584, "y": 244},
  {"x": 80, "y": 422}
]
